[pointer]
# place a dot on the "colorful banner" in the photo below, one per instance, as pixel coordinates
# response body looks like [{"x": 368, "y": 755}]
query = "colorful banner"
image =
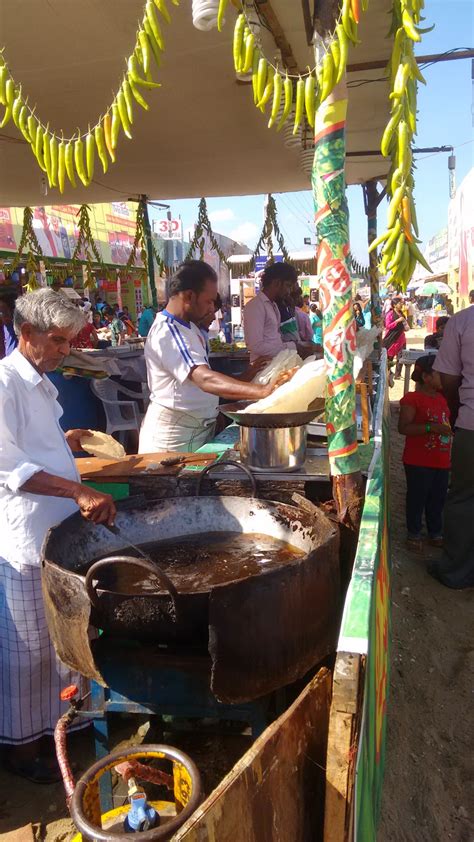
[
  {"x": 365, "y": 628},
  {"x": 112, "y": 225},
  {"x": 335, "y": 290}
]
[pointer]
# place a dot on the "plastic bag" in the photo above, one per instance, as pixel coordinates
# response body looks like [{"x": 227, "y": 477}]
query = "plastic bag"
[
  {"x": 307, "y": 384},
  {"x": 365, "y": 341},
  {"x": 288, "y": 358}
]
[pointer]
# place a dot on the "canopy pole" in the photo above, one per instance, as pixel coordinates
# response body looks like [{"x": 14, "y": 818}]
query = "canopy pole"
[
  {"x": 372, "y": 199},
  {"x": 149, "y": 248},
  {"x": 339, "y": 329}
]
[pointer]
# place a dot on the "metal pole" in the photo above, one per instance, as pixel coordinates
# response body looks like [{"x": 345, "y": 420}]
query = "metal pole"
[
  {"x": 371, "y": 202},
  {"x": 149, "y": 248}
]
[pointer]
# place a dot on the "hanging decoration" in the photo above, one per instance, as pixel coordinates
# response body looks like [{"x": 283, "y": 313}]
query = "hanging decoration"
[
  {"x": 86, "y": 248},
  {"x": 139, "y": 251},
  {"x": 400, "y": 252},
  {"x": 270, "y": 228},
  {"x": 64, "y": 158},
  {"x": 203, "y": 226},
  {"x": 30, "y": 247},
  {"x": 358, "y": 269},
  {"x": 293, "y": 96}
]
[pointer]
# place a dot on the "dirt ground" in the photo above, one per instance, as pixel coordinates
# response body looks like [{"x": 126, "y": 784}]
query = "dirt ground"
[
  {"x": 429, "y": 781},
  {"x": 429, "y": 777}
]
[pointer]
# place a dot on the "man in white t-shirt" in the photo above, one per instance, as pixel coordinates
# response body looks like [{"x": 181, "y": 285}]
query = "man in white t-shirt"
[{"x": 184, "y": 390}]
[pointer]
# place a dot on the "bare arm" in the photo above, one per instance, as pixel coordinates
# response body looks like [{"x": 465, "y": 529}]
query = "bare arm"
[
  {"x": 451, "y": 384},
  {"x": 227, "y": 387},
  {"x": 94, "y": 505},
  {"x": 407, "y": 427}
]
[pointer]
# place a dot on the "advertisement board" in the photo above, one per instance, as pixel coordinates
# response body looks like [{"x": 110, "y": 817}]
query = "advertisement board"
[
  {"x": 112, "y": 225},
  {"x": 365, "y": 628},
  {"x": 168, "y": 229}
]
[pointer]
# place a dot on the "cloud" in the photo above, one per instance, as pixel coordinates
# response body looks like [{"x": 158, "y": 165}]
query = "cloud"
[
  {"x": 246, "y": 232},
  {"x": 222, "y": 215}
]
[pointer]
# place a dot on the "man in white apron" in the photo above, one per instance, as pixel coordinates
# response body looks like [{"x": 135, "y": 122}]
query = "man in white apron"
[
  {"x": 184, "y": 390},
  {"x": 39, "y": 487}
]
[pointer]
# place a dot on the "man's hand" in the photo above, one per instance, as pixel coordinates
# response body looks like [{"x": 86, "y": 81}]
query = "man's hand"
[
  {"x": 73, "y": 438},
  {"x": 95, "y": 506},
  {"x": 282, "y": 378}
]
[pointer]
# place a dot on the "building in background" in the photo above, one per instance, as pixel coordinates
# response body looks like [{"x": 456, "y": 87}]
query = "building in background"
[
  {"x": 461, "y": 241},
  {"x": 450, "y": 253}
]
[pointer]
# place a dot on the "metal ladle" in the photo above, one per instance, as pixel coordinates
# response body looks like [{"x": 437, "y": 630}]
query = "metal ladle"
[{"x": 154, "y": 567}]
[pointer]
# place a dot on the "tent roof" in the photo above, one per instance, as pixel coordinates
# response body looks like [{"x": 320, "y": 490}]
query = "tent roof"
[{"x": 202, "y": 135}]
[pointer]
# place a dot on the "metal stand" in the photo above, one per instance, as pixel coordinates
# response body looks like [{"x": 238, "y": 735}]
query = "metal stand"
[{"x": 180, "y": 690}]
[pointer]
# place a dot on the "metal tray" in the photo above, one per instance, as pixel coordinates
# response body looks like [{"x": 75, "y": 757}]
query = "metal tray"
[{"x": 270, "y": 419}]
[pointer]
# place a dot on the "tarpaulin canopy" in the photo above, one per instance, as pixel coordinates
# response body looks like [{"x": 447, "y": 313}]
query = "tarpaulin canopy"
[{"x": 203, "y": 134}]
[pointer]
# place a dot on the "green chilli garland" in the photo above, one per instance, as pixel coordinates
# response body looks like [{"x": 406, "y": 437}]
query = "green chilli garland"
[
  {"x": 400, "y": 252},
  {"x": 64, "y": 158},
  {"x": 293, "y": 97}
]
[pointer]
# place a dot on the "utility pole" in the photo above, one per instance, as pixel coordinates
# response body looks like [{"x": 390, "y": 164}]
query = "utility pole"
[
  {"x": 372, "y": 199},
  {"x": 149, "y": 248}
]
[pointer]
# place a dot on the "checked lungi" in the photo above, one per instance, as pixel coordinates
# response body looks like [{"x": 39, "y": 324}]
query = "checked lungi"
[{"x": 31, "y": 674}]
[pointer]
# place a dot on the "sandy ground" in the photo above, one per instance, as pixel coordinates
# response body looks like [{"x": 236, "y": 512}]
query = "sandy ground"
[
  {"x": 429, "y": 792},
  {"x": 429, "y": 778}
]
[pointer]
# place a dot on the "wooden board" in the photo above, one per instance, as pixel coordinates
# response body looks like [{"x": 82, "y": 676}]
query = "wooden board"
[
  {"x": 92, "y": 467},
  {"x": 343, "y": 737},
  {"x": 275, "y": 793}
]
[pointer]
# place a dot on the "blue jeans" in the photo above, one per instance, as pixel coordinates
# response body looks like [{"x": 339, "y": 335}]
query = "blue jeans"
[{"x": 426, "y": 493}]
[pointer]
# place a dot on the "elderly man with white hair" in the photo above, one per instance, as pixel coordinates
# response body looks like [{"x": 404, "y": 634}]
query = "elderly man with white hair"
[{"x": 39, "y": 487}]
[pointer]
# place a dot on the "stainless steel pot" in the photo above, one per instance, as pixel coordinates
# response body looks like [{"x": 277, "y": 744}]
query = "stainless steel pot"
[{"x": 273, "y": 449}]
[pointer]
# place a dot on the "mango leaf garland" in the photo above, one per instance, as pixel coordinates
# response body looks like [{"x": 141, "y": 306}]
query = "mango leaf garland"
[
  {"x": 140, "y": 249},
  {"x": 30, "y": 246},
  {"x": 270, "y": 229},
  {"x": 203, "y": 226},
  {"x": 87, "y": 247}
]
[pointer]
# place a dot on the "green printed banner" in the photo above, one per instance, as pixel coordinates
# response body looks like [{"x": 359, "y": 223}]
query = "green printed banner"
[
  {"x": 366, "y": 623},
  {"x": 335, "y": 289}
]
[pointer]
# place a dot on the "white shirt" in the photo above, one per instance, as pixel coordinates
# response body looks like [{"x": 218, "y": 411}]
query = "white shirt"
[
  {"x": 215, "y": 326},
  {"x": 172, "y": 350},
  {"x": 262, "y": 328},
  {"x": 31, "y": 440}
]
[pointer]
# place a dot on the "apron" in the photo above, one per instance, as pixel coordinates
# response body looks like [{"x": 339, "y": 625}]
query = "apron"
[{"x": 173, "y": 430}]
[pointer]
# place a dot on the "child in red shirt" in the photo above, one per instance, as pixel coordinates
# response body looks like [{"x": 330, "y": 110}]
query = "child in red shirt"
[{"x": 424, "y": 420}]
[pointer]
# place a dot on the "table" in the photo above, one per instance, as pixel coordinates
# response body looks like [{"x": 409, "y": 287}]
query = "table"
[{"x": 408, "y": 358}]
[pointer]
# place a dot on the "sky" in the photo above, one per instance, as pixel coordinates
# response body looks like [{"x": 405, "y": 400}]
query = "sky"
[{"x": 445, "y": 118}]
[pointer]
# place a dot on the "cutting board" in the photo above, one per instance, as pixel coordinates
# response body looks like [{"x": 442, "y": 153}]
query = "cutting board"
[{"x": 94, "y": 468}]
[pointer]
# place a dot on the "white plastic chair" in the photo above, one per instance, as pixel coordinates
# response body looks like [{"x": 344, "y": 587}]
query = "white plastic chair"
[{"x": 120, "y": 415}]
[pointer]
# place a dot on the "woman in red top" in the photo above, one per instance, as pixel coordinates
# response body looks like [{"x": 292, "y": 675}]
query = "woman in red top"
[
  {"x": 424, "y": 420},
  {"x": 86, "y": 338}
]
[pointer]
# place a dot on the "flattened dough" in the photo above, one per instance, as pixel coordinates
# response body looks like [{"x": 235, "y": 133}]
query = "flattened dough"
[{"x": 102, "y": 445}]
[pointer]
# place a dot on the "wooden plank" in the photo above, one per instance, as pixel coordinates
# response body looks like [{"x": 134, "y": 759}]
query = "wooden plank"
[
  {"x": 276, "y": 790},
  {"x": 364, "y": 400},
  {"x": 102, "y": 469},
  {"x": 289, "y": 60},
  {"x": 344, "y": 726}
]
